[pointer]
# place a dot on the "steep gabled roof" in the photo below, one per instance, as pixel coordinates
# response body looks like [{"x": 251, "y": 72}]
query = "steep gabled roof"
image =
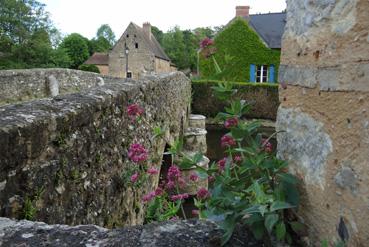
[
  {"x": 151, "y": 43},
  {"x": 270, "y": 27},
  {"x": 98, "y": 58}
]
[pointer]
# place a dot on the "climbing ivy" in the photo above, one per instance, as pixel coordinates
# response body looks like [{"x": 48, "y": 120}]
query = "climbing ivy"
[{"x": 238, "y": 46}]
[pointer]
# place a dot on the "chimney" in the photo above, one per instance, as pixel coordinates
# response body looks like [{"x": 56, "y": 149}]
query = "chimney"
[
  {"x": 242, "y": 11},
  {"x": 147, "y": 29}
]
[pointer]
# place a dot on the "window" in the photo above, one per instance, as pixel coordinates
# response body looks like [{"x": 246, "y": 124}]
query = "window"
[
  {"x": 136, "y": 45},
  {"x": 262, "y": 73},
  {"x": 127, "y": 35},
  {"x": 129, "y": 74}
]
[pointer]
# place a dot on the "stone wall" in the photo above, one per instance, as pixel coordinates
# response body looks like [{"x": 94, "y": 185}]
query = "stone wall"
[
  {"x": 64, "y": 160},
  {"x": 264, "y": 100},
  {"x": 23, "y": 85},
  {"x": 325, "y": 113}
]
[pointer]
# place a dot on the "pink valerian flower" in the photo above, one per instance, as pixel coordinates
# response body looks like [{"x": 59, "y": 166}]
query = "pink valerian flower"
[
  {"x": 174, "y": 218},
  {"x": 206, "y": 43},
  {"x": 227, "y": 141},
  {"x": 195, "y": 212},
  {"x": 221, "y": 164},
  {"x": 152, "y": 171},
  {"x": 137, "y": 153},
  {"x": 231, "y": 122},
  {"x": 211, "y": 179},
  {"x": 148, "y": 197},
  {"x": 237, "y": 159},
  {"x": 267, "y": 146},
  {"x": 179, "y": 197},
  {"x": 182, "y": 183},
  {"x": 134, "y": 111},
  {"x": 159, "y": 191},
  {"x": 203, "y": 194},
  {"x": 194, "y": 177},
  {"x": 173, "y": 173},
  {"x": 170, "y": 185},
  {"x": 134, "y": 177}
]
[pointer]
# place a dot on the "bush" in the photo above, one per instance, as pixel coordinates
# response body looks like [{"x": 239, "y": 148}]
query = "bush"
[
  {"x": 89, "y": 67},
  {"x": 262, "y": 96}
]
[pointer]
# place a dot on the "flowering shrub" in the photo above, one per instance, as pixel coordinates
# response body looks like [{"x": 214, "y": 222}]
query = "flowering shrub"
[
  {"x": 137, "y": 153},
  {"x": 251, "y": 186}
]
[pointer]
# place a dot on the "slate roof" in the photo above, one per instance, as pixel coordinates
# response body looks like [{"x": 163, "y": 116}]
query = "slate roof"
[
  {"x": 152, "y": 44},
  {"x": 270, "y": 27},
  {"x": 98, "y": 58}
]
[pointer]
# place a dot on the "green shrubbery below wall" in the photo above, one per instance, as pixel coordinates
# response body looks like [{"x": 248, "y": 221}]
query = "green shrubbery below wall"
[
  {"x": 238, "y": 46},
  {"x": 263, "y": 98}
]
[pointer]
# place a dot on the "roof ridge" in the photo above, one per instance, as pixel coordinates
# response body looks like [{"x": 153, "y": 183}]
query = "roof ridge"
[{"x": 272, "y": 13}]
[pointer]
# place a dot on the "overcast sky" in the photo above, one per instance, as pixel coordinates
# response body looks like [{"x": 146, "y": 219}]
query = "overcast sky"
[{"x": 86, "y": 16}]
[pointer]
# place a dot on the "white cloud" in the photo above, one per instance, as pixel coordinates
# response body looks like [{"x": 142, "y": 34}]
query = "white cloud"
[{"x": 85, "y": 16}]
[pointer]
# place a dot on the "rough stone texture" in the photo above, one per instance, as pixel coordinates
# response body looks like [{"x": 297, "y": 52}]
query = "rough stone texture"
[
  {"x": 264, "y": 101},
  {"x": 311, "y": 141},
  {"x": 171, "y": 233},
  {"x": 25, "y": 85},
  {"x": 325, "y": 56},
  {"x": 66, "y": 158}
]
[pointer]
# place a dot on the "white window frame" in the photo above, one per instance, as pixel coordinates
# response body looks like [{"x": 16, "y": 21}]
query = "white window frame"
[{"x": 264, "y": 73}]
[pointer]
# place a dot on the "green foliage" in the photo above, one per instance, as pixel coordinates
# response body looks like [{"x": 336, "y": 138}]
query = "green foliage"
[
  {"x": 162, "y": 209},
  {"x": 89, "y": 67},
  {"x": 105, "y": 32},
  {"x": 99, "y": 44},
  {"x": 76, "y": 46},
  {"x": 237, "y": 46},
  {"x": 251, "y": 84},
  {"x": 29, "y": 209},
  {"x": 256, "y": 190},
  {"x": 27, "y": 37}
]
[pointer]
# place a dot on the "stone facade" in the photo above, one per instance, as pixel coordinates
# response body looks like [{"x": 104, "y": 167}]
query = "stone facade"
[
  {"x": 324, "y": 114},
  {"x": 64, "y": 159},
  {"x": 145, "y": 54}
]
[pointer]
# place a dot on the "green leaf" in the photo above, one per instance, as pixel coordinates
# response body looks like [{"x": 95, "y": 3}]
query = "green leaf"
[
  {"x": 280, "y": 231},
  {"x": 270, "y": 221},
  {"x": 237, "y": 133},
  {"x": 325, "y": 243},
  {"x": 288, "y": 178},
  {"x": 278, "y": 205},
  {"x": 228, "y": 226},
  {"x": 258, "y": 230},
  {"x": 297, "y": 226}
]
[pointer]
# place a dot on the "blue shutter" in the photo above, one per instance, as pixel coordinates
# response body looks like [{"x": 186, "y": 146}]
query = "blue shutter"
[
  {"x": 252, "y": 73},
  {"x": 271, "y": 74}
]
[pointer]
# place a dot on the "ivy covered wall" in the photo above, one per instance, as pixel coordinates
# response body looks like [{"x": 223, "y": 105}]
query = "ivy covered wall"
[{"x": 237, "y": 47}]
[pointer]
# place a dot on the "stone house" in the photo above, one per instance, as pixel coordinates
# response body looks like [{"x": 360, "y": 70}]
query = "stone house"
[
  {"x": 248, "y": 48},
  {"x": 101, "y": 60},
  {"x": 270, "y": 29},
  {"x": 136, "y": 53}
]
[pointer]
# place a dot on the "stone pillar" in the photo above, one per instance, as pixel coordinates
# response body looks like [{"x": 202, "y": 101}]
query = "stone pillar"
[{"x": 324, "y": 91}]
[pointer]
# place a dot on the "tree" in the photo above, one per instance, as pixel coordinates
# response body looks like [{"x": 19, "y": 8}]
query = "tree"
[
  {"x": 76, "y": 47},
  {"x": 158, "y": 34},
  {"x": 174, "y": 47},
  {"x": 99, "y": 45},
  {"x": 106, "y": 32}
]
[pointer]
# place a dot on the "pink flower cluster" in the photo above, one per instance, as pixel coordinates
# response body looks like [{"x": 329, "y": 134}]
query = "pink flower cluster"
[
  {"x": 134, "y": 177},
  {"x": 221, "y": 164},
  {"x": 227, "y": 141},
  {"x": 179, "y": 197},
  {"x": 152, "y": 171},
  {"x": 194, "y": 177},
  {"x": 137, "y": 153},
  {"x": 174, "y": 173},
  {"x": 231, "y": 122},
  {"x": 203, "y": 194},
  {"x": 134, "y": 111},
  {"x": 267, "y": 146},
  {"x": 206, "y": 43}
]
